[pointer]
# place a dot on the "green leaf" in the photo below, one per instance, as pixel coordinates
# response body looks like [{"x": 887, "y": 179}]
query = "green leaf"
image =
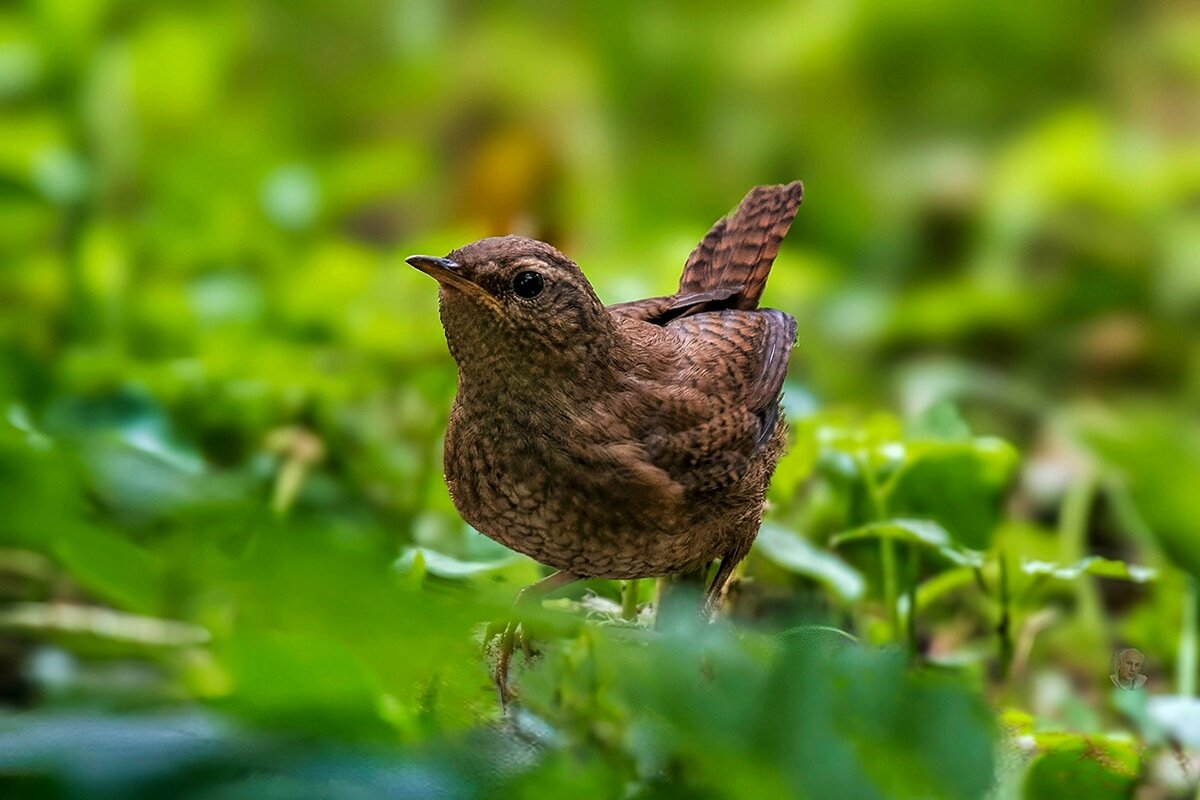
[
  {"x": 824, "y": 638},
  {"x": 1071, "y": 765},
  {"x": 1091, "y": 565},
  {"x": 818, "y": 720},
  {"x": 917, "y": 532},
  {"x": 940, "y": 421},
  {"x": 1157, "y": 453},
  {"x": 960, "y": 485},
  {"x": 302, "y": 682},
  {"x": 113, "y": 568},
  {"x": 295, "y": 588},
  {"x": 444, "y": 566},
  {"x": 943, "y": 583},
  {"x": 796, "y": 554}
]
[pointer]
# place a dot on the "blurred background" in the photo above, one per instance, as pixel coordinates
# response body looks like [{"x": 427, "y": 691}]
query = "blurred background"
[{"x": 222, "y": 391}]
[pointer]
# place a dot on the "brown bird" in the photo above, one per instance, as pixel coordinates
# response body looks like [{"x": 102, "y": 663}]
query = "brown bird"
[{"x": 629, "y": 441}]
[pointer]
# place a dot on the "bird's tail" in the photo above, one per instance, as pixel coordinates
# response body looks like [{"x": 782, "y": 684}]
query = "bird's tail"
[{"x": 732, "y": 261}]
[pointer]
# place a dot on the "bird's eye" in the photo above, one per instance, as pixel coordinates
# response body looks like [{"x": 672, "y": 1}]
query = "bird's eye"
[{"x": 528, "y": 284}]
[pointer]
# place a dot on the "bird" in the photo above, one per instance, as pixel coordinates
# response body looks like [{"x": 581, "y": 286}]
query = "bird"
[{"x": 622, "y": 441}]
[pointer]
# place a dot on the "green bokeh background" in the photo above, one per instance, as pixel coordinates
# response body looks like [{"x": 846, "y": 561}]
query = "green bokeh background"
[{"x": 223, "y": 392}]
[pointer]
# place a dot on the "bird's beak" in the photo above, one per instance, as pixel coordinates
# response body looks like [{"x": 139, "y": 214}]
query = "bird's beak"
[
  {"x": 438, "y": 268},
  {"x": 449, "y": 272}
]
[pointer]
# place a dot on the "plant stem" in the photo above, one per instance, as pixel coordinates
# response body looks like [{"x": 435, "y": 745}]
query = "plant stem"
[
  {"x": 914, "y": 563},
  {"x": 1073, "y": 528},
  {"x": 980, "y": 582},
  {"x": 629, "y": 600},
  {"x": 288, "y": 484},
  {"x": 1004, "y": 626},
  {"x": 1185, "y": 665},
  {"x": 887, "y": 560},
  {"x": 887, "y": 548}
]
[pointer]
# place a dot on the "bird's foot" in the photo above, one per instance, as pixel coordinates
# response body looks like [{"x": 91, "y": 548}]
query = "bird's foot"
[
  {"x": 514, "y": 632},
  {"x": 503, "y": 660},
  {"x": 513, "y": 636}
]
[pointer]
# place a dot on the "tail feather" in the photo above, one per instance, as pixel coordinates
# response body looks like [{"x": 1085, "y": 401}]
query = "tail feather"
[{"x": 736, "y": 255}]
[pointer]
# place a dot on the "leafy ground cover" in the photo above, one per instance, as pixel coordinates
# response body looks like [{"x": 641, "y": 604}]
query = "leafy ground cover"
[{"x": 228, "y": 563}]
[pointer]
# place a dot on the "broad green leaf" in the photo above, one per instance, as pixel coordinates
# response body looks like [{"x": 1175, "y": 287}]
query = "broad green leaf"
[
  {"x": 1091, "y": 565},
  {"x": 112, "y": 567},
  {"x": 822, "y": 638},
  {"x": 960, "y": 485},
  {"x": 302, "y": 682},
  {"x": 917, "y": 532},
  {"x": 1017, "y": 721},
  {"x": 1074, "y": 765},
  {"x": 411, "y": 642},
  {"x": 796, "y": 554},
  {"x": 444, "y": 566},
  {"x": 940, "y": 421},
  {"x": 818, "y": 717}
]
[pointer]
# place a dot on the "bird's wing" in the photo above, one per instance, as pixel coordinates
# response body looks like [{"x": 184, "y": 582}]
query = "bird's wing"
[
  {"x": 652, "y": 309},
  {"x": 661, "y": 310},
  {"x": 720, "y": 406},
  {"x": 716, "y": 403}
]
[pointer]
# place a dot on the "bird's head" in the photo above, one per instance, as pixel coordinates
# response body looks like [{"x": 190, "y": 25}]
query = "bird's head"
[{"x": 513, "y": 296}]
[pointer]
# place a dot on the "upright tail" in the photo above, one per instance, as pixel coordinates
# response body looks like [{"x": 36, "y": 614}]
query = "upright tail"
[{"x": 732, "y": 261}]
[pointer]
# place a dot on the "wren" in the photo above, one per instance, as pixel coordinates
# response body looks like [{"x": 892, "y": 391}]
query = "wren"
[{"x": 625, "y": 441}]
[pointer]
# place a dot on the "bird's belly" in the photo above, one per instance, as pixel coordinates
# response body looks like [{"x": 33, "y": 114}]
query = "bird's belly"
[
  {"x": 568, "y": 520},
  {"x": 590, "y": 542}
]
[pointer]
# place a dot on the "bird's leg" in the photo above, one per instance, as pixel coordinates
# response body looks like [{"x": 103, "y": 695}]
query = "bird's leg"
[
  {"x": 530, "y": 594},
  {"x": 716, "y": 589}
]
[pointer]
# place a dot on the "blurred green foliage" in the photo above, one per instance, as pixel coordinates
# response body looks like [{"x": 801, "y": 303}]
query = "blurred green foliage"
[{"x": 229, "y": 566}]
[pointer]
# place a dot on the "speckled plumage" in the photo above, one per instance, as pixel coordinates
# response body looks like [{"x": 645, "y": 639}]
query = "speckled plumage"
[{"x": 627, "y": 441}]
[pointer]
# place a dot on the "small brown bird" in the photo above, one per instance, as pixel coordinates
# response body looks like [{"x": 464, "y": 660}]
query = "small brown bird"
[{"x": 629, "y": 441}]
